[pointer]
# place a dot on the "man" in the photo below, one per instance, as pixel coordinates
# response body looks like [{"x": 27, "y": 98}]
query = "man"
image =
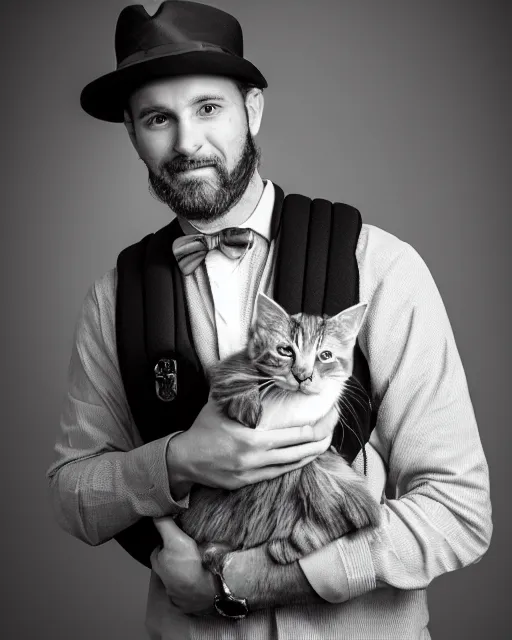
[{"x": 192, "y": 106}]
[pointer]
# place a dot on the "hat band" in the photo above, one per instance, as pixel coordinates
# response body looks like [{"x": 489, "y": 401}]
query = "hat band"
[{"x": 170, "y": 49}]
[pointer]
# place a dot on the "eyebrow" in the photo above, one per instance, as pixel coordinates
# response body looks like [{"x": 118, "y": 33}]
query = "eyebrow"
[{"x": 160, "y": 108}]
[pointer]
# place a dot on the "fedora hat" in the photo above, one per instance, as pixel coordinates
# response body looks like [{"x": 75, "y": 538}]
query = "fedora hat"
[{"x": 181, "y": 38}]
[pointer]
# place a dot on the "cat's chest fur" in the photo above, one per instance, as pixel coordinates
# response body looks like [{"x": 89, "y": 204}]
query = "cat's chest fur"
[{"x": 294, "y": 409}]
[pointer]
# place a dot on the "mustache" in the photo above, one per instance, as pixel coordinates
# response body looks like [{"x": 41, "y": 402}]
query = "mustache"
[{"x": 178, "y": 164}]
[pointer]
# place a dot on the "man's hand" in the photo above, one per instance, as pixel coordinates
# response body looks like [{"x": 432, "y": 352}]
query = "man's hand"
[
  {"x": 178, "y": 564},
  {"x": 250, "y": 574},
  {"x": 219, "y": 452},
  {"x": 253, "y": 575}
]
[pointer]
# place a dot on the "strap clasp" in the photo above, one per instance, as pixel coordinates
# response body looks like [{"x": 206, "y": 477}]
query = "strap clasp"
[{"x": 166, "y": 379}]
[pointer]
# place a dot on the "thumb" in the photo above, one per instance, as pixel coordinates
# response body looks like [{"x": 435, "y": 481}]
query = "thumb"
[{"x": 169, "y": 531}]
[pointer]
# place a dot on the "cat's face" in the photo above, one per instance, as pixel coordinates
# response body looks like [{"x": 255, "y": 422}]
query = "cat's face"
[{"x": 304, "y": 353}]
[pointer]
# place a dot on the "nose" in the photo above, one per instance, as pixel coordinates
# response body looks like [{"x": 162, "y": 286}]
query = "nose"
[
  {"x": 187, "y": 140},
  {"x": 301, "y": 376}
]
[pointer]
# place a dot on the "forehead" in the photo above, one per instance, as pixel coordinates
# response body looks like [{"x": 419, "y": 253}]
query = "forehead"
[
  {"x": 307, "y": 331},
  {"x": 180, "y": 92}
]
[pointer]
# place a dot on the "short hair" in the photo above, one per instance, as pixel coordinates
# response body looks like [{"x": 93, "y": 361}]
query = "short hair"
[{"x": 244, "y": 87}]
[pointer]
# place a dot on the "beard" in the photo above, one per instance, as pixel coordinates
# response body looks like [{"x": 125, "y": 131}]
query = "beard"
[{"x": 198, "y": 199}]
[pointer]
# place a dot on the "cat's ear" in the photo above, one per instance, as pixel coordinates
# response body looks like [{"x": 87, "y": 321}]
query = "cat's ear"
[
  {"x": 347, "y": 323},
  {"x": 269, "y": 314}
]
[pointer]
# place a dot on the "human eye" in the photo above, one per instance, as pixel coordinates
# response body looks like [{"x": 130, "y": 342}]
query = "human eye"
[
  {"x": 156, "y": 121},
  {"x": 208, "y": 109}
]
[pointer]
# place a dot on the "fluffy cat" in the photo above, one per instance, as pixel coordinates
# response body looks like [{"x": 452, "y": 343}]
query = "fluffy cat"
[{"x": 294, "y": 371}]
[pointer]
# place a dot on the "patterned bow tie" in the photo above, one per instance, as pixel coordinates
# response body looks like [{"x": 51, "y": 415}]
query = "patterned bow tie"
[{"x": 191, "y": 250}]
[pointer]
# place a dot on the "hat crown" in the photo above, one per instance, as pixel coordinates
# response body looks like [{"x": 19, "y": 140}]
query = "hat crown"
[{"x": 175, "y": 23}]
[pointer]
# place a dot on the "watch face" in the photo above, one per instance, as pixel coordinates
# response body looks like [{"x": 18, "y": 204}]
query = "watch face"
[{"x": 231, "y": 607}]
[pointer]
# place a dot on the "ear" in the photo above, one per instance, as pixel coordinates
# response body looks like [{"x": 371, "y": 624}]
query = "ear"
[
  {"x": 270, "y": 314},
  {"x": 348, "y": 322},
  {"x": 128, "y": 123},
  {"x": 254, "y": 103}
]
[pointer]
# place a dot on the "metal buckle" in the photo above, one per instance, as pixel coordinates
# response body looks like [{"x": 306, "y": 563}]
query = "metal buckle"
[{"x": 166, "y": 379}]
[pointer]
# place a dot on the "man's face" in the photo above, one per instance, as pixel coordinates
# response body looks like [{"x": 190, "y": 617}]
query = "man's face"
[{"x": 193, "y": 135}]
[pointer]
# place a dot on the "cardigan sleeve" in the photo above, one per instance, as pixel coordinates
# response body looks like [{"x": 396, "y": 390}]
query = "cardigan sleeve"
[
  {"x": 436, "y": 513},
  {"x": 103, "y": 478}
]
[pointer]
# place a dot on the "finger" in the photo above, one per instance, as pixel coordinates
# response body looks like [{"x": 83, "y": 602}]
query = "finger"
[
  {"x": 274, "y": 471},
  {"x": 290, "y": 455},
  {"x": 289, "y": 437},
  {"x": 154, "y": 558},
  {"x": 169, "y": 531}
]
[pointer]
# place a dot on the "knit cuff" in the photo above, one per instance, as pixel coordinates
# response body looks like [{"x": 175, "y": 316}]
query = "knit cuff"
[
  {"x": 176, "y": 505},
  {"x": 354, "y": 551},
  {"x": 326, "y": 573}
]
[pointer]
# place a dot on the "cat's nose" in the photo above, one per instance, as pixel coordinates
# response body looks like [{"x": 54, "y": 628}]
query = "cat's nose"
[{"x": 301, "y": 377}]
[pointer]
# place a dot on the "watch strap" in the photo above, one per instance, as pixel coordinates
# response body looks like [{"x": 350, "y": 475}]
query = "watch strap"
[{"x": 226, "y": 604}]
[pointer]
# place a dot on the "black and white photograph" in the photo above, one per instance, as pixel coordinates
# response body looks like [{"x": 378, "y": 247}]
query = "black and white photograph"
[{"x": 257, "y": 355}]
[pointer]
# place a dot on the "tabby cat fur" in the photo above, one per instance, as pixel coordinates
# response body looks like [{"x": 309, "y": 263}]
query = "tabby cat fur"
[{"x": 294, "y": 371}]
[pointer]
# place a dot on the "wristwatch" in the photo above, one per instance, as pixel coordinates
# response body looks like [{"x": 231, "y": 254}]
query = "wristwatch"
[{"x": 226, "y": 604}]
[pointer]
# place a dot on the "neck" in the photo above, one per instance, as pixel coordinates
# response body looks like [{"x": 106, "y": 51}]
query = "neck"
[{"x": 236, "y": 216}]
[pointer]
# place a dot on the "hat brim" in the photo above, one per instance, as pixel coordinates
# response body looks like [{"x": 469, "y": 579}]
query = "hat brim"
[{"x": 106, "y": 97}]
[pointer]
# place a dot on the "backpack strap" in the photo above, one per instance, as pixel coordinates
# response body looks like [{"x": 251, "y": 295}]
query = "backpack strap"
[
  {"x": 152, "y": 323},
  {"x": 317, "y": 273}
]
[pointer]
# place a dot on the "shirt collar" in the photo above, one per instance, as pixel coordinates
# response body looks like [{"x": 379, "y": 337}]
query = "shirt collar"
[{"x": 261, "y": 218}]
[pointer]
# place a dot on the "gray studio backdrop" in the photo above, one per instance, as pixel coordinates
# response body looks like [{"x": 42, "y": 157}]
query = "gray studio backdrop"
[{"x": 401, "y": 108}]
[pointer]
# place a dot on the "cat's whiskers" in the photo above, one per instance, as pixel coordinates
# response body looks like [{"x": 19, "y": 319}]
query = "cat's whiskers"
[
  {"x": 281, "y": 394},
  {"x": 265, "y": 391},
  {"x": 347, "y": 404},
  {"x": 348, "y": 393},
  {"x": 345, "y": 425},
  {"x": 265, "y": 386},
  {"x": 336, "y": 407},
  {"x": 250, "y": 376},
  {"x": 355, "y": 385},
  {"x": 363, "y": 397},
  {"x": 342, "y": 433}
]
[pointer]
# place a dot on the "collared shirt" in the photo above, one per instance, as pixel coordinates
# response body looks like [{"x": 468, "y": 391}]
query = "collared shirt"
[
  {"x": 425, "y": 449},
  {"x": 225, "y": 280}
]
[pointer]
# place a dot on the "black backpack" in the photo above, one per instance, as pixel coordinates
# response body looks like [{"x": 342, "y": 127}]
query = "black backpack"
[{"x": 316, "y": 272}]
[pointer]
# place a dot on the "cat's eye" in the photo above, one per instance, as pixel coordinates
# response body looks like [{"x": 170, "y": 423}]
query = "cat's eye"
[
  {"x": 325, "y": 356},
  {"x": 285, "y": 351}
]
